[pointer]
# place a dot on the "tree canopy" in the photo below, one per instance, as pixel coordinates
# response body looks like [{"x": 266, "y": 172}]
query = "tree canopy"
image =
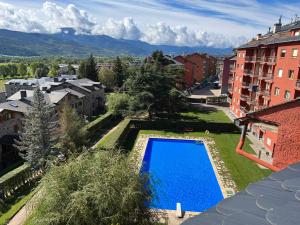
[{"x": 103, "y": 188}]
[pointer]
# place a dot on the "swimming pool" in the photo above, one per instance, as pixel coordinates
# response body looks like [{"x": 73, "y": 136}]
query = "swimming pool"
[{"x": 181, "y": 172}]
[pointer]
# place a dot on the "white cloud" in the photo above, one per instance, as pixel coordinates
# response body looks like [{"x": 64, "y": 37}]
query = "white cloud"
[
  {"x": 125, "y": 29},
  {"x": 51, "y": 17}
]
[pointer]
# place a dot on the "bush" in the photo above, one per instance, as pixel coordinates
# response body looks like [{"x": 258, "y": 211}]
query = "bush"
[
  {"x": 98, "y": 123},
  {"x": 118, "y": 104},
  {"x": 103, "y": 188}
]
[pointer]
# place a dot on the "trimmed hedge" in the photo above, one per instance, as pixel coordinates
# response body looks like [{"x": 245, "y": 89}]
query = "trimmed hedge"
[
  {"x": 98, "y": 123},
  {"x": 13, "y": 180},
  {"x": 117, "y": 137}
]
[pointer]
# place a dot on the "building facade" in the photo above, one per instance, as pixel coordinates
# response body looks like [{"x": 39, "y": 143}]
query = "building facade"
[
  {"x": 277, "y": 131},
  {"x": 197, "y": 67},
  {"x": 225, "y": 69},
  {"x": 267, "y": 70}
]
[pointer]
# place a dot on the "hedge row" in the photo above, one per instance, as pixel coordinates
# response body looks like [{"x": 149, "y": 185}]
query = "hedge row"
[
  {"x": 13, "y": 180},
  {"x": 117, "y": 137},
  {"x": 98, "y": 123}
]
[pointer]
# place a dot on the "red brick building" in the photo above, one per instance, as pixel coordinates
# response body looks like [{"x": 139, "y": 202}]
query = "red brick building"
[
  {"x": 267, "y": 70},
  {"x": 225, "y": 69},
  {"x": 197, "y": 67},
  {"x": 279, "y": 135}
]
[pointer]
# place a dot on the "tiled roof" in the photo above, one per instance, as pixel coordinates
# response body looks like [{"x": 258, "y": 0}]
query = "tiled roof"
[
  {"x": 283, "y": 36},
  {"x": 273, "y": 200},
  {"x": 16, "y": 105}
]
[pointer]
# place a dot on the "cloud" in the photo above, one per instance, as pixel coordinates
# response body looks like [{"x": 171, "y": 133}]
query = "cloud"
[
  {"x": 125, "y": 29},
  {"x": 51, "y": 17}
]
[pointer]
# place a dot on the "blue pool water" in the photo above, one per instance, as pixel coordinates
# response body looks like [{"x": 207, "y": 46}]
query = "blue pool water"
[{"x": 181, "y": 172}]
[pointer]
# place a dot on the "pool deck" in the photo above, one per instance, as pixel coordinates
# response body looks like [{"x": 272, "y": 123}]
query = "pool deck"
[{"x": 227, "y": 185}]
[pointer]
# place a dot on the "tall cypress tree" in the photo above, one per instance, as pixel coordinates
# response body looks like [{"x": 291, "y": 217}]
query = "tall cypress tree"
[
  {"x": 37, "y": 136},
  {"x": 91, "y": 68},
  {"x": 119, "y": 72}
]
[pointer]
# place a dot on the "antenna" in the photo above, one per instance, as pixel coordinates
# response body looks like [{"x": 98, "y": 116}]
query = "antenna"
[{"x": 280, "y": 18}]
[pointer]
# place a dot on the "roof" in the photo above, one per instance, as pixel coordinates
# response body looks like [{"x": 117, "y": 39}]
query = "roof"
[
  {"x": 53, "y": 97},
  {"x": 273, "y": 200},
  {"x": 85, "y": 84},
  {"x": 17, "y": 106},
  {"x": 283, "y": 36},
  {"x": 73, "y": 92}
]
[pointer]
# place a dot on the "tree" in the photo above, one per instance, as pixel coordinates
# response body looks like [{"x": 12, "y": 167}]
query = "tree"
[
  {"x": 37, "y": 136},
  {"x": 54, "y": 70},
  {"x": 71, "y": 70},
  {"x": 119, "y": 72},
  {"x": 41, "y": 72},
  {"x": 22, "y": 69},
  {"x": 118, "y": 104},
  {"x": 91, "y": 69},
  {"x": 107, "y": 77},
  {"x": 103, "y": 188},
  {"x": 72, "y": 136},
  {"x": 82, "y": 69}
]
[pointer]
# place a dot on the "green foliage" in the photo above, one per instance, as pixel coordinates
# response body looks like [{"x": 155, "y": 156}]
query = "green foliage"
[
  {"x": 54, "y": 70},
  {"x": 116, "y": 136},
  {"x": 99, "y": 189},
  {"x": 119, "y": 72},
  {"x": 38, "y": 65},
  {"x": 71, "y": 69},
  {"x": 98, "y": 123},
  {"x": 72, "y": 136},
  {"x": 107, "y": 77},
  {"x": 37, "y": 137},
  {"x": 118, "y": 104},
  {"x": 22, "y": 69},
  {"x": 88, "y": 69},
  {"x": 8, "y": 70}
]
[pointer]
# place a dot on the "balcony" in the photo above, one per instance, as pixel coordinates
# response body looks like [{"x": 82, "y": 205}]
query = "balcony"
[
  {"x": 266, "y": 93},
  {"x": 268, "y": 59},
  {"x": 268, "y": 77},
  {"x": 243, "y": 109},
  {"x": 230, "y": 80},
  {"x": 229, "y": 100},
  {"x": 230, "y": 90},
  {"x": 248, "y": 72},
  {"x": 244, "y": 97},
  {"x": 253, "y": 87},
  {"x": 249, "y": 58},
  {"x": 297, "y": 85},
  {"x": 245, "y": 85}
]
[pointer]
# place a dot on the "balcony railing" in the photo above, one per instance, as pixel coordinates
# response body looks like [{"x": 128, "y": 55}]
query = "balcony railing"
[
  {"x": 245, "y": 85},
  {"x": 244, "y": 97},
  {"x": 230, "y": 80},
  {"x": 230, "y": 90},
  {"x": 229, "y": 100},
  {"x": 243, "y": 109},
  {"x": 248, "y": 72},
  {"x": 268, "y": 59},
  {"x": 249, "y": 58},
  {"x": 298, "y": 84}
]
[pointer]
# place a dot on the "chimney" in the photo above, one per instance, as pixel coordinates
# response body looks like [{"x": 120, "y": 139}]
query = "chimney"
[
  {"x": 55, "y": 79},
  {"x": 258, "y": 36},
  {"x": 23, "y": 94},
  {"x": 44, "y": 88},
  {"x": 277, "y": 26}
]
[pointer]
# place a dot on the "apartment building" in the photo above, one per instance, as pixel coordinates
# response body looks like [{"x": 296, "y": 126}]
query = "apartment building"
[
  {"x": 197, "y": 67},
  {"x": 267, "y": 70},
  {"x": 225, "y": 69}
]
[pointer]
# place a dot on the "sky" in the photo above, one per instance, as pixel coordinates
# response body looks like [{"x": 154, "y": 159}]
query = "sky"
[{"x": 214, "y": 23}]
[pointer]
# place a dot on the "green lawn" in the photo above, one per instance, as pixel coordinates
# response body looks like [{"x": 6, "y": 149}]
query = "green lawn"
[
  {"x": 2, "y": 87},
  {"x": 209, "y": 115}
]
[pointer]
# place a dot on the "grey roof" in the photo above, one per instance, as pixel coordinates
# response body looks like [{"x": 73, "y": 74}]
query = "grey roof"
[
  {"x": 283, "y": 36},
  {"x": 273, "y": 200},
  {"x": 17, "y": 106},
  {"x": 73, "y": 92},
  {"x": 53, "y": 97},
  {"x": 86, "y": 84}
]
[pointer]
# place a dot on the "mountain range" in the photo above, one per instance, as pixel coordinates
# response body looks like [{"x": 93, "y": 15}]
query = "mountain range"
[{"x": 67, "y": 43}]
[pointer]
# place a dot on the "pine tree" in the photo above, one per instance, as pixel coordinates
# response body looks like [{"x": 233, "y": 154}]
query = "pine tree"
[
  {"x": 37, "y": 140},
  {"x": 119, "y": 72},
  {"x": 72, "y": 135},
  {"x": 91, "y": 69}
]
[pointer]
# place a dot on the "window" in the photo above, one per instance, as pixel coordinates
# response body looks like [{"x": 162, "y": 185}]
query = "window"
[
  {"x": 283, "y": 52},
  {"x": 291, "y": 74},
  {"x": 280, "y": 73},
  {"x": 277, "y": 91},
  {"x": 287, "y": 95},
  {"x": 294, "y": 52},
  {"x": 297, "y": 33},
  {"x": 269, "y": 142}
]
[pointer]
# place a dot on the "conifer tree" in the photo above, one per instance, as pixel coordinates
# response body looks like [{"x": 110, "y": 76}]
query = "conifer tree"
[
  {"x": 37, "y": 136},
  {"x": 91, "y": 69},
  {"x": 119, "y": 72},
  {"x": 72, "y": 135}
]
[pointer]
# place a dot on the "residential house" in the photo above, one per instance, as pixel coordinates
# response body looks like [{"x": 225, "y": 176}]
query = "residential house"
[
  {"x": 225, "y": 69},
  {"x": 276, "y": 135}
]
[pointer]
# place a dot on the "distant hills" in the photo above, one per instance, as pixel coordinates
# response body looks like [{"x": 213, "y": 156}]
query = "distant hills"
[{"x": 14, "y": 43}]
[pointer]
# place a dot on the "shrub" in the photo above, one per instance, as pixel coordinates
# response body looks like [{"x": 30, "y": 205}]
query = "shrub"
[
  {"x": 103, "y": 188},
  {"x": 98, "y": 123}
]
